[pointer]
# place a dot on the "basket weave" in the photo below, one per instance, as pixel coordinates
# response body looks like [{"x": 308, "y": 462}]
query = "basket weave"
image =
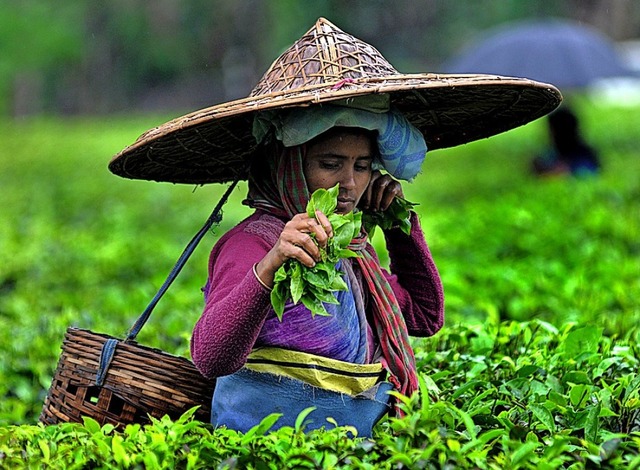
[{"x": 139, "y": 383}]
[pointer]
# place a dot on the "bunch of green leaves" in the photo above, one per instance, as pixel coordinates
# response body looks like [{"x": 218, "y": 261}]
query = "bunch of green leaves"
[
  {"x": 315, "y": 286},
  {"x": 396, "y": 216}
]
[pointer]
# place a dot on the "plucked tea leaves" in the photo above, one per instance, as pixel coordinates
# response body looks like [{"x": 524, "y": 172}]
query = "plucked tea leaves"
[
  {"x": 396, "y": 215},
  {"x": 316, "y": 286}
]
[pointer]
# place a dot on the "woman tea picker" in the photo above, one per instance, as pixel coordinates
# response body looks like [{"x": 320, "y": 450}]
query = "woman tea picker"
[{"x": 330, "y": 111}]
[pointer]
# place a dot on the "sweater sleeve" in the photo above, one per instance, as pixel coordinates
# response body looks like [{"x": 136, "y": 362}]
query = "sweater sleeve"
[
  {"x": 415, "y": 280},
  {"x": 236, "y": 306}
]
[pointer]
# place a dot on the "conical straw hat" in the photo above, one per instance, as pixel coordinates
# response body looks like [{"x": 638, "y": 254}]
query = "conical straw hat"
[{"x": 212, "y": 145}]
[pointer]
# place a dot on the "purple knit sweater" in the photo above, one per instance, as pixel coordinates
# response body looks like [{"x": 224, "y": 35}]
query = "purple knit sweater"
[{"x": 237, "y": 305}]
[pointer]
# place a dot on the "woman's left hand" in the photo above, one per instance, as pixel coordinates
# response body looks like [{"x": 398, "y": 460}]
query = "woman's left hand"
[{"x": 380, "y": 193}]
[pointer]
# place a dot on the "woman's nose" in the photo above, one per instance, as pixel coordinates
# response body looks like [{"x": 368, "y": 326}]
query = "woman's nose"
[{"x": 348, "y": 180}]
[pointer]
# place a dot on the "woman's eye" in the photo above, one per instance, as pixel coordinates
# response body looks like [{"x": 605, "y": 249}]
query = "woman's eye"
[
  {"x": 329, "y": 165},
  {"x": 363, "y": 167}
]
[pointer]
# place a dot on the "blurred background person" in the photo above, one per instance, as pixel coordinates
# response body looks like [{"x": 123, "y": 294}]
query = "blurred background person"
[{"x": 569, "y": 152}]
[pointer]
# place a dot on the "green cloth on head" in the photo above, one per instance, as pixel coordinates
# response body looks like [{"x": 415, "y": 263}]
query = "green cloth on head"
[
  {"x": 378, "y": 103},
  {"x": 402, "y": 147}
]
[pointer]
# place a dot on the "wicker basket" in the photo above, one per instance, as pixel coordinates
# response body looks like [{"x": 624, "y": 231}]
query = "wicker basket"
[
  {"x": 140, "y": 382},
  {"x": 121, "y": 382}
]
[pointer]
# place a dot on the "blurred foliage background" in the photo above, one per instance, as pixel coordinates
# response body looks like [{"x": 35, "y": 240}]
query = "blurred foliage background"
[{"x": 78, "y": 57}]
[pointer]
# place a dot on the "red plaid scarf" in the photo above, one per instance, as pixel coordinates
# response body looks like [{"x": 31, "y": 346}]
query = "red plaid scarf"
[
  {"x": 283, "y": 192},
  {"x": 397, "y": 354}
]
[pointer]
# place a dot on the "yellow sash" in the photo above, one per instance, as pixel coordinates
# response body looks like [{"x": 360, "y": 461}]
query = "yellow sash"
[{"x": 322, "y": 372}]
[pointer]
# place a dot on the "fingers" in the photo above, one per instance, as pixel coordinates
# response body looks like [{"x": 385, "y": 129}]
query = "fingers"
[
  {"x": 301, "y": 246},
  {"x": 325, "y": 224},
  {"x": 302, "y": 238},
  {"x": 383, "y": 194},
  {"x": 381, "y": 191},
  {"x": 365, "y": 201}
]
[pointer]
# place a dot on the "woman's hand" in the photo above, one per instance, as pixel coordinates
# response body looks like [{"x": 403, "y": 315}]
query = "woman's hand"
[
  {"x": 380, "y": 193},
  {"x": 296, "y": 242}
]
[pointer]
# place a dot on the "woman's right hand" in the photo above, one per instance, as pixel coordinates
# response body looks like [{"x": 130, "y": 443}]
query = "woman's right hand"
[{"x": 296, "y": 242}]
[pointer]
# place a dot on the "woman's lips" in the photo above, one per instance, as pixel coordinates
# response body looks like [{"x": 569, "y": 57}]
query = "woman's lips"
[{"x": 345, "y": 205}]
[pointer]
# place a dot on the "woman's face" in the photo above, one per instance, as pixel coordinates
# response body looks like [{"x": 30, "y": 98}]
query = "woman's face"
[{"x": 341, "y": 156}]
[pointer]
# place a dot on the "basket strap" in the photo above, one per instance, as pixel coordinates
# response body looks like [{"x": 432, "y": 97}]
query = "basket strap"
[
  {"x": 214, "y": 218},
  {"x": 106, "y": 355},
  {"x": 109, "y": 347}
]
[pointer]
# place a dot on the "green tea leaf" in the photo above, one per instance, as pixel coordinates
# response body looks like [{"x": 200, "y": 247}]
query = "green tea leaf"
[
  {"x": 346, "y": 253},
  {"x": 315, "y": 305},
  {"x": 46, "y": 451},
  {"x": 522, "y": 453},
  {"x": 576, "y": 377},
  {"x": 261, "y": 428},
  {"x": 297, "y": 283},
  {"x": 338, "y": 284},
  {"x": 278, "y": 298},
  {"x": 281, "y": 274},
  {"x": 323, "y": 200},
  {"x": 302, "y": 417},
  {"x": 318, "y": 279},
  {"x": 337, "y": 221},
  {"x": 579, "y": 395},
  {"x": 582, "y": 340},
  {"x": 344, "y": 235},
  {"x": 91, "y": 424},
  {"x": 591, "y": 424},
  {"x": 325, "y": 296},
  {"x": 543, "y": 415}
]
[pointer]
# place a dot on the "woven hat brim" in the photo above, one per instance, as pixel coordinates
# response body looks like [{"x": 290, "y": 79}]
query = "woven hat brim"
[{"x": 213, "y": 145}]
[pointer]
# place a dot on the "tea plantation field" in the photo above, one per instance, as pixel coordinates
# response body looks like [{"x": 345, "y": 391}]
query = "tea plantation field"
[{"x": 536, "y": 367}]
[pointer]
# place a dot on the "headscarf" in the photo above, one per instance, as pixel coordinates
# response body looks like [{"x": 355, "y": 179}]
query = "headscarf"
[
  {"x": 401, "y": 145},
  {"x": 281, "y": 189}
]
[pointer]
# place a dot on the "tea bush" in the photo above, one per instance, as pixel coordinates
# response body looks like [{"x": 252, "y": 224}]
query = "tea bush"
[
  {"x": 536, "y": 366},
  {"x": 506, "y": 395}
]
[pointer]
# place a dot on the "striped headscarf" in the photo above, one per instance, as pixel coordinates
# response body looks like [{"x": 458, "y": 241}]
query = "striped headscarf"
[
  {"x": 281, "y": 189},
  {"x": 280, "y": 186}
]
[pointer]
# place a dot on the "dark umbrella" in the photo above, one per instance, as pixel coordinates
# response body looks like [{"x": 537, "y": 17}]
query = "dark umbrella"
[{"x": 563, "y": 53}]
